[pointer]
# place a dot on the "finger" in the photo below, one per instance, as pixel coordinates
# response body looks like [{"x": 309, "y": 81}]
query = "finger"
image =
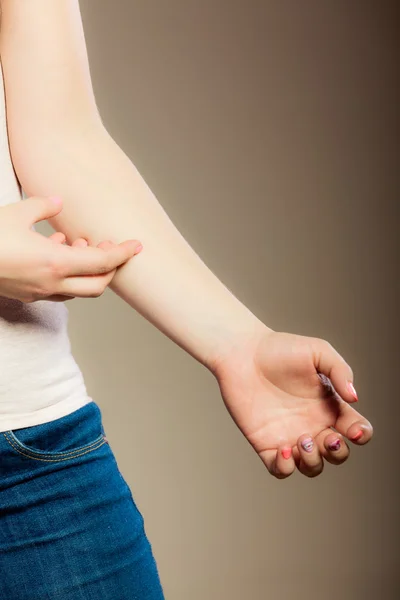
[
  {"x": 96, "y": 261},
  {"x": 106, "y": 279},
  {"x": 58, "y": 237},
  {"x": 38, "y": 208},
  {"x": 353, "y": 425},
  {"x": 106, "y": 244},
  {"x": 80, "y": 243},
  {"x": 332, "y": 446},
  {"x": 311, "y": 463},
  {"x": 89, "y": 286},
  {"x": 329, "y": 362},
  {"x": 279, "y": 462}
]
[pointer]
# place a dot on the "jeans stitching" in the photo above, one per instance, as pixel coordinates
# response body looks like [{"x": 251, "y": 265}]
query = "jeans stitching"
[{"x": 57, "y": 456}]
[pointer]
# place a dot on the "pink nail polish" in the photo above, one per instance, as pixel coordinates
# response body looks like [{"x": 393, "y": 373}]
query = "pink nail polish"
[
  {"x": 352, "y": 390},
  {"x": 357, "y": 436},
  {"x": 287, "y": 452},
  {"x": 335, "y": 445}
]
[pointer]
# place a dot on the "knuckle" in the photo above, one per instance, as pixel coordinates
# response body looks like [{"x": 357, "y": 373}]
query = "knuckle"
[
  {"x": 31, "y": 297},
  {"x": 323, "y": 344},
  {"x": 326, "y": 344},
  {"x": 55, "y": 266},
  {"x": 44, "y": 293},
  {"x": 41, "y": 292},
  {"x": 105, "y": 267},
  {"x": 109, "y": 263}
]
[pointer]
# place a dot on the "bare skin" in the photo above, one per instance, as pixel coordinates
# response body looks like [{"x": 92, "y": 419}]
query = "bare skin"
[
  {"x": 33, "y": 267},
  {"x": 280, "y": 394},
  {"x": 282, "y": 389}
]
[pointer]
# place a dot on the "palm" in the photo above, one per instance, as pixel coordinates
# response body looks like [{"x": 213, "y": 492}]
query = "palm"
[
  {"x": 274, "y": 393},
  {"x": 267, "y": 413}
]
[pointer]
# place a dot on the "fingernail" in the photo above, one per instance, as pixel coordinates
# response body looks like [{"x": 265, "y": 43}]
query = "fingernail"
[
  {"x": 287, "y": 452},
  {"x": 307, "y": 444},
  {"x": 56, "y": 199},
  {"x": 357, "y": 436},
  {"x": 138, "y": 248},
  {"x": 352, "y": 390},
  {"x": 335, "y": 445}
]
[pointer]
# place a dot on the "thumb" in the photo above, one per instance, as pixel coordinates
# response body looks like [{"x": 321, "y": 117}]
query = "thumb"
[
  {"x": 329, "y": 362},
  {"x": 39, "y": 208}
]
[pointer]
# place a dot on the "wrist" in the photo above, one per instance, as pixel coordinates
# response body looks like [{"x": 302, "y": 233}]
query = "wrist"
[{"x": 236, "y": 345}]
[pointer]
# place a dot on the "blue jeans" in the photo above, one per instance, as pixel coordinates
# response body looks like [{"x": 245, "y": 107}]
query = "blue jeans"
[{"x": 69, "y": 526}]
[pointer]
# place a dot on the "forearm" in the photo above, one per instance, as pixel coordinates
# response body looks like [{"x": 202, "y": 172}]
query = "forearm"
[{"x": 106, "y": 198}]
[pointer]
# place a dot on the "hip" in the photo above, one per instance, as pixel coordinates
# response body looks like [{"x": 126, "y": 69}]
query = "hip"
[{"x": 69, "y": 524}]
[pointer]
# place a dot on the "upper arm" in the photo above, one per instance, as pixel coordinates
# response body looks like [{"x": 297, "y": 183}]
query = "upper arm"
[{"x": 46, "y": 70}]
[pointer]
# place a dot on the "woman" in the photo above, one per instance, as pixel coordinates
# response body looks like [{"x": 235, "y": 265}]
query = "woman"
[{"x": 66, "y": 512}]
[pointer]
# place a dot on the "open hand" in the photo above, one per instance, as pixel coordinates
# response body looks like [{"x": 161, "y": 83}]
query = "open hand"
[{"x": 289, "y": 395}]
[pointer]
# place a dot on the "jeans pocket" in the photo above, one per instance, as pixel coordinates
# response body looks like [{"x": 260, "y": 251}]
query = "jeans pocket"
[{"x": 62, "y": 439}]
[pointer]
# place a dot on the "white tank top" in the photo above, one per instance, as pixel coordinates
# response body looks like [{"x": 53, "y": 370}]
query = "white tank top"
[{"x": 39, "y": 378}]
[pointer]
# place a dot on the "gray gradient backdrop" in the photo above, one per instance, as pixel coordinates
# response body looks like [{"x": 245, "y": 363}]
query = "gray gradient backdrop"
[{"x": 269, "y": 131}]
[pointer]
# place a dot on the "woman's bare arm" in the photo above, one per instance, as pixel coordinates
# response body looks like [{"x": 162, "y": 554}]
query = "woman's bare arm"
[
  {"x": 60, "y": 147},
  {"x": 46, "y": 68},
  {"x": 282, "y": 390}
]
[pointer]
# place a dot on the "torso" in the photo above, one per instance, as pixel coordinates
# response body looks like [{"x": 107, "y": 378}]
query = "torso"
[{"x": 39, "y": 378}]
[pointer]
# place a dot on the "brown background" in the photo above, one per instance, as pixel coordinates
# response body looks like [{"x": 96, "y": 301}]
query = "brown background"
[{"x": 269, "y": 131}]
